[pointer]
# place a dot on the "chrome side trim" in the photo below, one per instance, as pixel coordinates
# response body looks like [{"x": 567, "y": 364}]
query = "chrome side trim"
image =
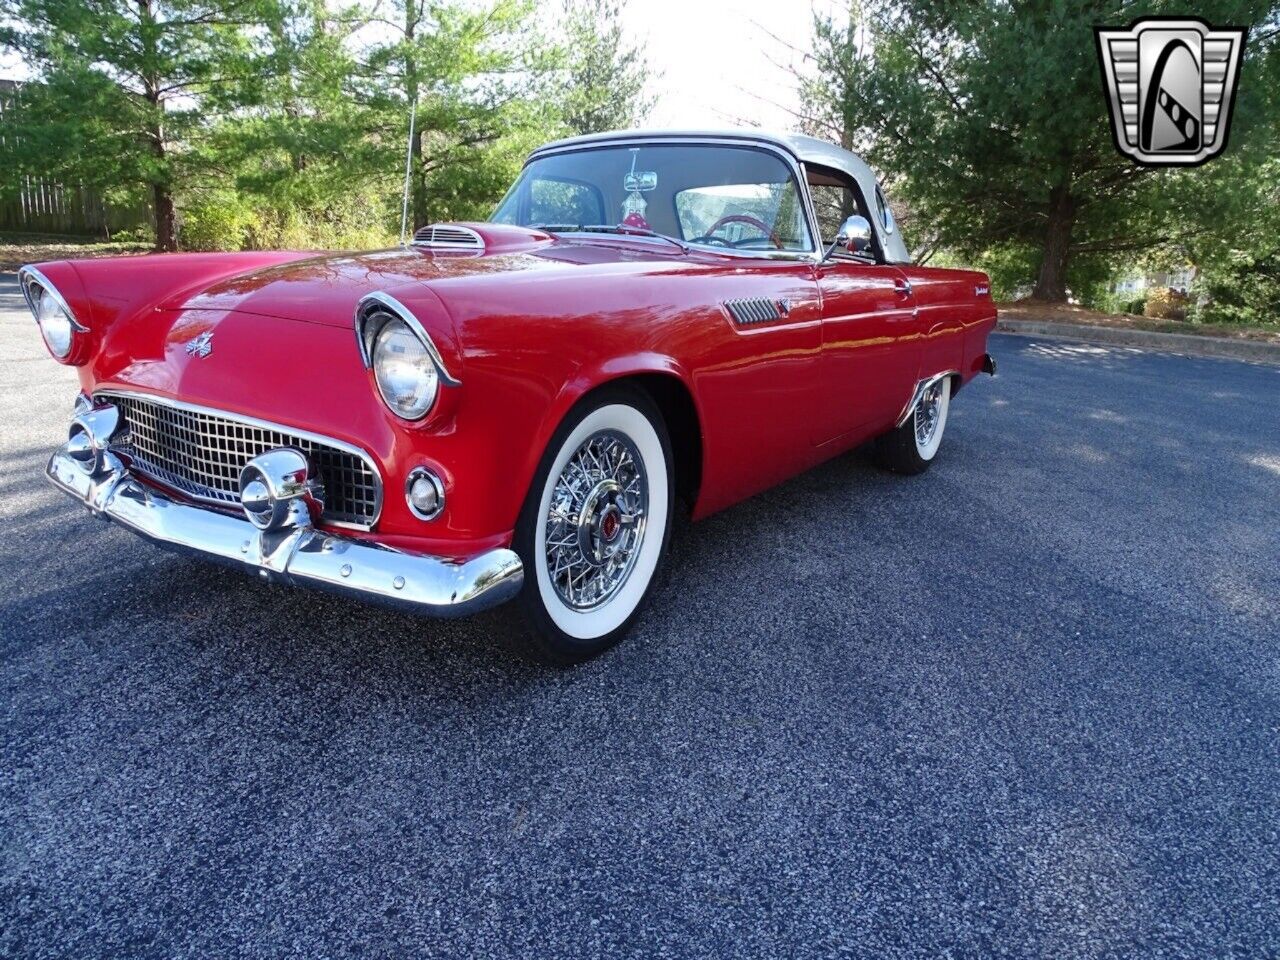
[
  {"x": 388, "y": 302},
  {"x": 301, "y": 556},
  {"x": 107, "y": 393},
  {"x": 29, "y": 276},
  {"x": 810, "y": 211},
  {"x": 919, "y": 392}
]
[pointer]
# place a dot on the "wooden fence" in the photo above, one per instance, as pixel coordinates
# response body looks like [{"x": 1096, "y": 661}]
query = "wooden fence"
[{"x": 39, "y": 205}]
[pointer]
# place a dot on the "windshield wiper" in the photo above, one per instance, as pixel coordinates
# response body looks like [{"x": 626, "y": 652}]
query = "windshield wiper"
[{"x": 621, "y": 228}]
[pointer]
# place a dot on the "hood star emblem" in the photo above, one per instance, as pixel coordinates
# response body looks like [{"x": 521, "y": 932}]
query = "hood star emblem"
[{"x": 201, "y": 346}]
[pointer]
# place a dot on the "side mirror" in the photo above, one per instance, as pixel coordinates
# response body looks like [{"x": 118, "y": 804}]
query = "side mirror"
[{"x": 854, "y": 236}]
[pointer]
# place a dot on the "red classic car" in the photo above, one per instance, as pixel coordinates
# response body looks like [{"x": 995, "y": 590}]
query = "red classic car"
[{"x": 516, "y": 409}]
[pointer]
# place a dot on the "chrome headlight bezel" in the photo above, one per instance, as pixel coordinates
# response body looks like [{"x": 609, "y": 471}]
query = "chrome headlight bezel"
[
  {"x": 52, "y": 313},
  {"x": 375, "y": 313}
]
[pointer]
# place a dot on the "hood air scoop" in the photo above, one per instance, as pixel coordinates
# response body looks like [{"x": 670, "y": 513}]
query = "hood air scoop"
[{"x": 449, "y": 236}]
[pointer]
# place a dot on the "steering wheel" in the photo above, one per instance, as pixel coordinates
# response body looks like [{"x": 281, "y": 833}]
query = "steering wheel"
[{"x": 740, "y": 218}]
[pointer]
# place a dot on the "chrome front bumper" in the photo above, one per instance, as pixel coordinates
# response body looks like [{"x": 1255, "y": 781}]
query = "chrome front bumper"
[{"x": 301, "y": 555}]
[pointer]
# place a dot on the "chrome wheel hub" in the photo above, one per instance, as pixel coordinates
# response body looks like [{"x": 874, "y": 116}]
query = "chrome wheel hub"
[
  {"x": 595, "y": 524},
  {"x": 601, "y": 521},
  {"x": 928, "y": 410}
]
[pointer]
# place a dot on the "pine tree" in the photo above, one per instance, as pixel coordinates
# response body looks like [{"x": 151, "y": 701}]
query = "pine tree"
[
  {"x": 992, "y": 118},
  {"x": 476, "y": 76},
  {"x": 606, "y": 76},
  {"x": 127, "y": 87},
  {"x": 299, "y": 164}
]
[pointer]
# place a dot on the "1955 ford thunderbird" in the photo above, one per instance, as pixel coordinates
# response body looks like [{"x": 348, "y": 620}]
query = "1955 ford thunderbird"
[{"x": 517, "y": 408}]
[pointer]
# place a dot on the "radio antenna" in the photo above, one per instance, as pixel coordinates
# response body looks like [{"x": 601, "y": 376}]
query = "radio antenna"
[{"x": 408, "y": 169}]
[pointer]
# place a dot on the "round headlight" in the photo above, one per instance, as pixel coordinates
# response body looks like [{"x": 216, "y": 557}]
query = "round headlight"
[
  {"x": 406, "y": 375},
  {"x": 55, "y": 326}
]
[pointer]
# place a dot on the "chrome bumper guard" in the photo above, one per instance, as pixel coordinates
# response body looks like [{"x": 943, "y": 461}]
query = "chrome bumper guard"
[{"x": 300, "y": 555}]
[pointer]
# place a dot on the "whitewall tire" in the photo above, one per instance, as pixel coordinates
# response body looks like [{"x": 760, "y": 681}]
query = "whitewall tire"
[
  {"x": 912, "y": 446},
  {"x": 595, "y": 525},
  {"x": 929, "y": 418}
]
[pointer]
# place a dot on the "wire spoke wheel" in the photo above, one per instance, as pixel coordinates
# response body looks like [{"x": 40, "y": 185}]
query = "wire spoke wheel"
[
  {"x": 912, "y": 445},
  {"x": 595, "y": 524},
  {"x": 928, "y": 414}
]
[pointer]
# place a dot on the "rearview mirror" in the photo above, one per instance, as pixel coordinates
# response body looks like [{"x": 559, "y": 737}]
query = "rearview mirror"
[
  {"x": 640, "y": 181},
  {"x": 855, "y": 235}
]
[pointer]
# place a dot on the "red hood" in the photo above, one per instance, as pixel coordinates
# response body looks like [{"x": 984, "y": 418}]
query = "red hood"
[{"x": 326, "y": 289}]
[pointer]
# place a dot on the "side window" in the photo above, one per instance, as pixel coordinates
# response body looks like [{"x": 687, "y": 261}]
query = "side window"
[
  {"x": 565, "y": 201},
  {"x": 833, "y": 204},
  {"x": 883, "y": 211},
  {"x": 836, "y": 198}
]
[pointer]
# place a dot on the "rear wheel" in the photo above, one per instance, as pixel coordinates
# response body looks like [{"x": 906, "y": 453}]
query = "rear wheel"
[
  {"x": 595, "y": 525},
  {"x": 911, "y": 447}
]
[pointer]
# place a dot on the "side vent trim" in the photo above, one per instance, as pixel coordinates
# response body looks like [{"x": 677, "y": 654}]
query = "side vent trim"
[
  {"x": 752, "y": 310},
  {"x": 449, "y": 236}
]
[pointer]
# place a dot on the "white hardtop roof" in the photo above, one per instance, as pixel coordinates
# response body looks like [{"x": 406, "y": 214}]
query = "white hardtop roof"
[{"x": 803, "y": 148}]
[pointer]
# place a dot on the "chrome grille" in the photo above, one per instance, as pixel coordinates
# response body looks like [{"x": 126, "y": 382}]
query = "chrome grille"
[{"x": 201, "y": 453}]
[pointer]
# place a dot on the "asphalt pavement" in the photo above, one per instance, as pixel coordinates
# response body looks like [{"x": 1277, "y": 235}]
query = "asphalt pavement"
[{"x": 1026, "y": 704}]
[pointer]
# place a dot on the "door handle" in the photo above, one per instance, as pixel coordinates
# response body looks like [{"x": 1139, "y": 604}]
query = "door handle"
[{"x": 903, "y": 287}]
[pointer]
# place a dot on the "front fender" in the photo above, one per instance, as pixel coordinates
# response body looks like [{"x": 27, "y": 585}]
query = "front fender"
[{"x": 587, "y": 379}]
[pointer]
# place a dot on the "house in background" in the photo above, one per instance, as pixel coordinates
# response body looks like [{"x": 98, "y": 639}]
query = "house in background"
[
  {"x": 1132, "y": 285},
  {"x": 1138, "y": 283}
]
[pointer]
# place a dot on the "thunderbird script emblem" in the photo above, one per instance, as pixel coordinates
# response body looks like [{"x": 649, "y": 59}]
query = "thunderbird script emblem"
[
  {"x": 201, "y": 346},
  {"x": 1171, "y": 83}
]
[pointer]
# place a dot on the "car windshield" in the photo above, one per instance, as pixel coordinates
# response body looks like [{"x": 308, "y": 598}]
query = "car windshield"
[{"x": 725, "y": 197}]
